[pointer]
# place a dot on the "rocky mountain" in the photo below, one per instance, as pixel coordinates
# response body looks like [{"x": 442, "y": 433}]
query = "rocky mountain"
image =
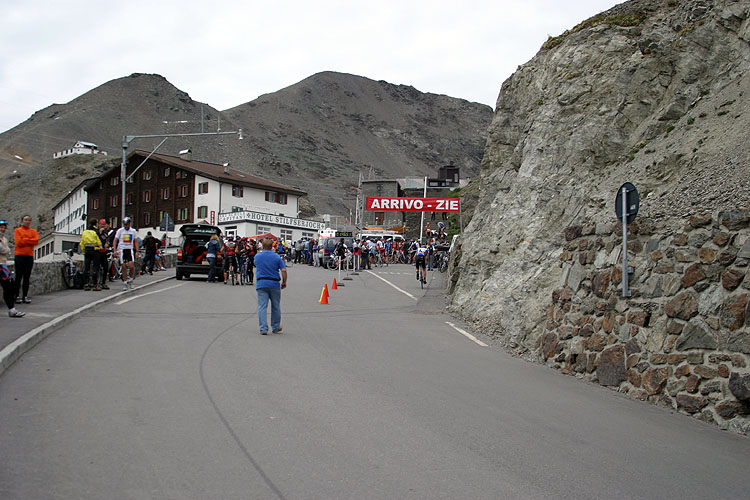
[
  {"x": 653, "y": 93},
  {"x": 317, "y": 134}
]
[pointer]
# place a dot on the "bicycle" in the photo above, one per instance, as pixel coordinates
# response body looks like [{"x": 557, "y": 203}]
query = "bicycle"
[
  {"x": 443, "y": 258},
  {"x": 246, "y": 270},
  {"x": 114, "y": 267},
  {"x": 422, "y": 278},
  {"x": 233, "y": 271},
  {"x": 69, "y": 270}
]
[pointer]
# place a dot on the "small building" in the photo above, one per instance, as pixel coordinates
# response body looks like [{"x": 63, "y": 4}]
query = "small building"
[
  {"x": 52, "y": 246},
  {"x": 192, "y": 191},
  {"x": 80, "y": 148},
  {"x": 69, "y": 215},
  {"x": 448, "y": 178}
]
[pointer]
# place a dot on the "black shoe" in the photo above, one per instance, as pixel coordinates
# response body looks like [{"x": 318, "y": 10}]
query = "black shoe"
[{"x": 26, "y": 300}]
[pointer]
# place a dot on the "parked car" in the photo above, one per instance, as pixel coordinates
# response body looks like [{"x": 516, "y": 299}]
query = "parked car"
[
  {"x": 191, "y": 253},
  {"x": 326, "y": 246}
]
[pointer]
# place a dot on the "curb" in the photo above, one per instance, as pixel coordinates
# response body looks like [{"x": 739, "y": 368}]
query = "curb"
[{"x": 11, "y": 353}]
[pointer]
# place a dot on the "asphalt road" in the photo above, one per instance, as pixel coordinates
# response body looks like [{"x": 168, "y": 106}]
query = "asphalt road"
[{"x": 175, "y": 395}]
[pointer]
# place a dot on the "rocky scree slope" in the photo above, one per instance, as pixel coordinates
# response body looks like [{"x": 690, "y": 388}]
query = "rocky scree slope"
[{"x": 650, "y": 92}]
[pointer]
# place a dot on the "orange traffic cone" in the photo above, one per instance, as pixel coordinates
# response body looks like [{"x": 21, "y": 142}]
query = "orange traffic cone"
[
  {"x": 324, "y": 295},
  {"x": 335, "y": 286}
]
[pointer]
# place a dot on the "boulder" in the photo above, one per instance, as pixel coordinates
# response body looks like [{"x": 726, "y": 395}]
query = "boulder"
[
  {"x": 691, "y": 404},
  {"x": 684, "y": 306},
  {"x": 739, "y": 385},
  {"x": 731, "y": 278},
  {"x": 611, "y": 369},
  {"x": 735, "y": 220},
  {"x": 696, "y": 335},
  {"x": 733, "y": 311},
  {"x": 654, "y": 380}
]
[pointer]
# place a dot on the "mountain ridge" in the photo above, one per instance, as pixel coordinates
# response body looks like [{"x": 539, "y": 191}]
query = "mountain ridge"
[{"x": 317, "y": 134}]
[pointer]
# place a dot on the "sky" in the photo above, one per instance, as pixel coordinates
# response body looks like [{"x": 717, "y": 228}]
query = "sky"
[{"x": 226, "y": 53}]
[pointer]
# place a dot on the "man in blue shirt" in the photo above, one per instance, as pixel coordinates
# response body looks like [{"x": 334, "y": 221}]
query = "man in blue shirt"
[{"x": 268, "y": 285}]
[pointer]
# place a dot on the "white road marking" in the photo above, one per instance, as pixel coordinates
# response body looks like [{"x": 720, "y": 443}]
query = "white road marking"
[
  {"x": 121, "y": 302},
  {"x": 394, "y": 286},
  {"x": 467, "y": 334}
]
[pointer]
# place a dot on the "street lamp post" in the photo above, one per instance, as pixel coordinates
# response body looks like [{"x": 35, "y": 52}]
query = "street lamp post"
[{"x": 127, "y": 139}]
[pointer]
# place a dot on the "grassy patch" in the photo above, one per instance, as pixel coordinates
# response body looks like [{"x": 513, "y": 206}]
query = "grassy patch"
[{"x": 624, "y": 20}]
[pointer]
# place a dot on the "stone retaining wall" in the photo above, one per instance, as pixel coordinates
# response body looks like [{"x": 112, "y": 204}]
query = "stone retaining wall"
[
  {"x": 46, "y": 277},
  {"x": 682, "y": 340}
]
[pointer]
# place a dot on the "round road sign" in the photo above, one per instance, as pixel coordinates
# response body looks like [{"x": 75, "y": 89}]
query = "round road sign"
[{"x": 632, "y": 202}]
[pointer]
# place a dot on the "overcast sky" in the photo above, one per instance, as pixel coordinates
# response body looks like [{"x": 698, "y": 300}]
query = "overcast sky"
[{"x": 227, "y": 52}]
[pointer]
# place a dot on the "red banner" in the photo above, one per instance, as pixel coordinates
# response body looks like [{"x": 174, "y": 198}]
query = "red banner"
[{"x": 384, "y": 203}]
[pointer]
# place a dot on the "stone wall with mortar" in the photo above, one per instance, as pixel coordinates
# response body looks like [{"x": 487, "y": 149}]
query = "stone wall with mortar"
[
  {"x": 682, "y": 340},
  {"x": 46, "y": 277}
]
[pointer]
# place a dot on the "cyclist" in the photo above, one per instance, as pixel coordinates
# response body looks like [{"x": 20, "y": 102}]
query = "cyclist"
[
  {"x": 126, "y": 247},
  {"x": 340, "y": 251},
  {"x": 230, "y": 257},
  {"x": 419, "y": 259}
]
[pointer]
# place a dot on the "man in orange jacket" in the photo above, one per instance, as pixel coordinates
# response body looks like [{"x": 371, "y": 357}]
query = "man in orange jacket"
[{"x": 25, "y": 239}]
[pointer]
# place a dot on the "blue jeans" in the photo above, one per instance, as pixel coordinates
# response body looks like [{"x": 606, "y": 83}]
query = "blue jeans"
[
  {"x": 211, "y": 268},
  {"x": 263, "y": 295}
]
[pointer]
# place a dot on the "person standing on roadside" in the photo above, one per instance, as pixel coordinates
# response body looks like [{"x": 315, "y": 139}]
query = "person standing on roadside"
[
  {"x": 213, "y": 248},
  {"x": 268, "y": 265},
  {"x": 25, "y": 239},
  {"x": 126, "y": 244},
  {"x": 151, "y": 245},
  {"x": 6, "y": 277},
  {"x": 90, "y": 244},
  {"x": 106, "y": 235}
]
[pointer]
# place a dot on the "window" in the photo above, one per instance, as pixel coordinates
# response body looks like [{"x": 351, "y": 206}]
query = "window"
[
  {"x": 115, "y": 222},
  {"x": 273, "y": 197},
  {"x": 114, "y": 181},
  {"x": 129, "y": 198},
  {"x": 166, "y": 171},
  {"x": 179, "y": 174},
  {"x": 113, "y": 200},
  {"x": 162, "y": 213},
  {"x": 147, "y": 219},
  {"x": 95, "y": 204},
  {"x": 202, "y": 212},
  {"x": 147, "y": 175},
  {"x": 308, "y": 235},
  {"x": 146, "y": 196},
  {"x": 203, "y": 188},
  {"x": 237, "y": 191},
  {"x": 183, "y": 190},
  {"x": 182, "y": 214},
  {"x": 264, "y": 229},
  {"x": 165, "y": 193},
  {"x": 379, "y": 217},
  {"x": 130, "y": 179},
  {"x": 286, "y": 234}
]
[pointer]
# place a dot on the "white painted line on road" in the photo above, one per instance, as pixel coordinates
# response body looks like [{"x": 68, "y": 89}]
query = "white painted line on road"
[
  {"x": 394, "y": 286},
  {"x": 467, "y": 334},
  {"x": 121, "y": 302}
]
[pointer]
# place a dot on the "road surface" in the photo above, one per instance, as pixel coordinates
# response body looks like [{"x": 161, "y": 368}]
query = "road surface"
[{"x": 378, "y": 395}]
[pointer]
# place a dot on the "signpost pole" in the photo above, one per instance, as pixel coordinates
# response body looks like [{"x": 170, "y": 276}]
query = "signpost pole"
[{"x": 625, "y": 290}]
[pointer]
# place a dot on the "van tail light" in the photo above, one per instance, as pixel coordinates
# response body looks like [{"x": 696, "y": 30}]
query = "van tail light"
[{"x": 179, "y": 255}]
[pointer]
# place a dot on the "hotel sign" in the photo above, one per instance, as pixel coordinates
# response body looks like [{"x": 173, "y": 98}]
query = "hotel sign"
[{"x": 278, "y": 220}]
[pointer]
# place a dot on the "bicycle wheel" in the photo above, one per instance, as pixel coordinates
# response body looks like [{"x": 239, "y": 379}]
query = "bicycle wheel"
[
  {"x": 443, "y": 264},
  {"x": 67, "y": 275}
]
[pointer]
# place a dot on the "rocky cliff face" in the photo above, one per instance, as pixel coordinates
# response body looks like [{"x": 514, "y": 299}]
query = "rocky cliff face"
[{"x": 652, "y": 93}]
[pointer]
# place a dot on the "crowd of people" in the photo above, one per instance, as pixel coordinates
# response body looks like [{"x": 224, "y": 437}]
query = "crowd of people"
[{"x": 101, "y": 245}]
